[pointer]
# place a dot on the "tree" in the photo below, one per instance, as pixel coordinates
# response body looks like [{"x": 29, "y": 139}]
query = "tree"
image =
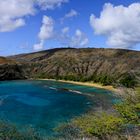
[{"x": 128, "y": 81}]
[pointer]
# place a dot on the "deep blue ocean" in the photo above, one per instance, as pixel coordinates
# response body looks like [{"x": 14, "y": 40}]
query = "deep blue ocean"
[{"x": 43, "y": 105}]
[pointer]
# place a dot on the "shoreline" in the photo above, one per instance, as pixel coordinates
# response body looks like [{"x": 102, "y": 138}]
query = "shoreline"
[
  {"x": 90, "y": 84},
  {"x": 121, "y": 92}
]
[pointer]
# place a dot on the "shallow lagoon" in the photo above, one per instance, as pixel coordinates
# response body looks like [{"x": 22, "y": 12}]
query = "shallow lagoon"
[{"x": 43, "y": 105}]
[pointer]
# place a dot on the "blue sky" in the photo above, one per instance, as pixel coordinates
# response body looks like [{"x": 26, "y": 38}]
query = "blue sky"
[{"x": 27, "y": 36}]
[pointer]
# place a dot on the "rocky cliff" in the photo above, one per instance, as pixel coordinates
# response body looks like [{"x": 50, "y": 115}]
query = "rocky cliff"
[
  {"x": 11, "y": 70},
  {"x": 98, "y": 65}
]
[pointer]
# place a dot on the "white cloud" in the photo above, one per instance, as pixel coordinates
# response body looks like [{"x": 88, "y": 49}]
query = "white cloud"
[
  {"x": 39, "y": 46},
  {"x": 72, "y": 13},
  {"x": 50, "y": 4},
  {"x": 62, "y": 36},
  {"x": 13, "y": 12},
  {"x": 46, "y": 32},
  {"x": 120, "y": 24},
  {"x": 79, "y": 39},
  {"x": 65, "y": 30},
  {"x": 10, "y": 24}
]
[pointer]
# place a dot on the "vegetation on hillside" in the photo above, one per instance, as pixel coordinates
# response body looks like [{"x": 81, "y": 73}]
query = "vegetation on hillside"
[
  {"x": 10, "y": 132},
  {"x": 126, "y": 80}
]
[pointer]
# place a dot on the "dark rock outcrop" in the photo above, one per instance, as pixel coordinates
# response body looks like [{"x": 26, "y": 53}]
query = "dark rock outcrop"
[{"x": 11, "y": 72}]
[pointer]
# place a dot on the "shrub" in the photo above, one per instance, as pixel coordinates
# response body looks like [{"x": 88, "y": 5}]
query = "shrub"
[
  {"x": 128, "y": 112},
  {"x": 99, "y": 125},
  {"x": 70, "y": 77},
  {"x": 10, "y": 132},
  {"x": 67, "y": 131},
  {"x": 40, "y": 75},
  {"x": 106, "y": 80},
  {"x": 128, "y": 81}
]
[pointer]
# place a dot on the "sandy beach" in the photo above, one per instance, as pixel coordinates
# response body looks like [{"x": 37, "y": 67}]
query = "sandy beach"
[{"x": 97, "y": 85}]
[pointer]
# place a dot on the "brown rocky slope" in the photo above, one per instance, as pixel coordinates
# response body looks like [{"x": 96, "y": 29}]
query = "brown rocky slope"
[{"x": 109, "y": 65}]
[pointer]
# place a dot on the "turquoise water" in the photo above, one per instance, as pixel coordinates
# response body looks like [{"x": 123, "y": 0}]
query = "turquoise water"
[{"x": 43, "y": 105}]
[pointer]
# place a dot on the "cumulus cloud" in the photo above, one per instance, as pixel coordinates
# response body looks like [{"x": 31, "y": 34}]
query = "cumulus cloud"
[
  {"x": 79, "y": 39},
  {"x": 13, "y": 12},
  {"x": 50, "y": 4},
  {"x": 39, "y": 46},
  {"x": 65, "y": 30},
  {"x": 72, "y": 13},
  {"x": 63, "y": 36},
  {"x": 10, "y": 24},
  {"x": 120, "y": 24},
  {"x": 46, "y": 32}
]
